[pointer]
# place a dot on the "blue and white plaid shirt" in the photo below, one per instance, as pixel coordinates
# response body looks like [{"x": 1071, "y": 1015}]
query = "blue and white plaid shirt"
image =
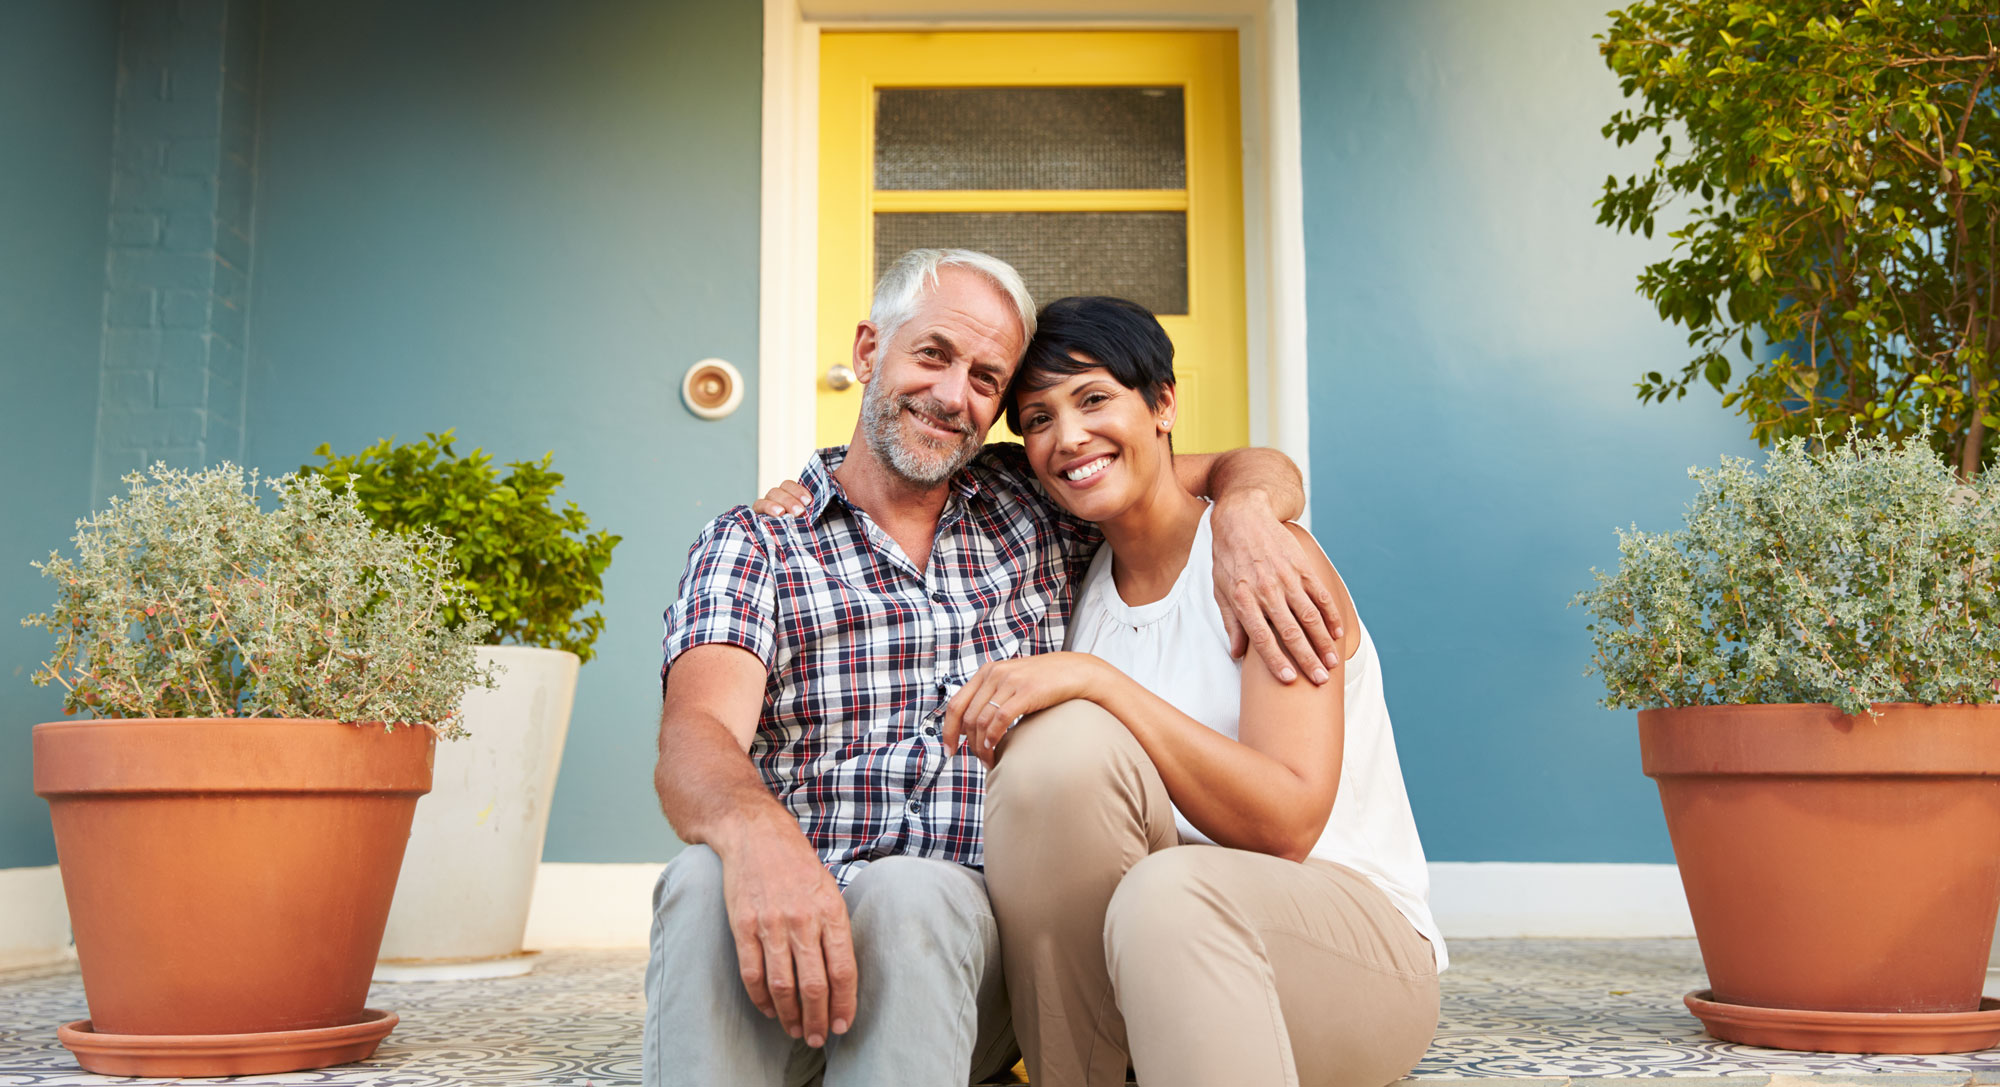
[{"x": 863, "y": 649}]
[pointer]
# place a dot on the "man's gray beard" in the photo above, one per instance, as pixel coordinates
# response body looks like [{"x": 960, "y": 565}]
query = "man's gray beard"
[{"x": 927, "y": 465}]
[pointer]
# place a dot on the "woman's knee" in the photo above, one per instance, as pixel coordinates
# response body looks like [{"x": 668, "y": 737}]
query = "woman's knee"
[
  {"x": 1061, "y": 753},
  {"x": 1166, "y": 899}
]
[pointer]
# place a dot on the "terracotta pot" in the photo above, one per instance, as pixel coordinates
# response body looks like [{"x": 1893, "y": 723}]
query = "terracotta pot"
[
  {"x": 1831, "y": 862},
  {"x": 228, "y": 876}
]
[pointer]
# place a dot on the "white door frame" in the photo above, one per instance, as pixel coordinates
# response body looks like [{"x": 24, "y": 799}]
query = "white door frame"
[{"x": 1273, "y": 203}]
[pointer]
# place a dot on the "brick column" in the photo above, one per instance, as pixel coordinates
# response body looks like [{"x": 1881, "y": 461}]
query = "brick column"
[{"x": 177, "y": 275}]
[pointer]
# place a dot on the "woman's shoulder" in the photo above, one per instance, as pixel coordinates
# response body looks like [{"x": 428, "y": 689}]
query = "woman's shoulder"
[{"x": 1320, "y": 566}]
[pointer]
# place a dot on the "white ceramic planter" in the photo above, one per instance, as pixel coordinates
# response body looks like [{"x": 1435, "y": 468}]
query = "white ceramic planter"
[{"x": 469, "y": 874}]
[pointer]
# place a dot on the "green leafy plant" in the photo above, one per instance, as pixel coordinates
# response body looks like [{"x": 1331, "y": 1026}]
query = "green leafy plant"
[
  {"x": 1857, "y": 573},
  {"x": 186, "y": 598},
  {"x": 1840, "y": 157},
  {"x": 527, "y": 566}
]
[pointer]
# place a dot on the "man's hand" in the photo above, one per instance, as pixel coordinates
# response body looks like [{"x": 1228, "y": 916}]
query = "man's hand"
[
  {"x": 1270, "y": 599},
  {"x": 789, "y": 498},
  {"x": 786, "y": 915},
  {"x": 793, "y": 948}
]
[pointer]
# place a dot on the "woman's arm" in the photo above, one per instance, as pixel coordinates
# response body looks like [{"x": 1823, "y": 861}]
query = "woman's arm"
[
  {"x": 1270, "y": 791},
  {"x": 1273, "y": 788}
]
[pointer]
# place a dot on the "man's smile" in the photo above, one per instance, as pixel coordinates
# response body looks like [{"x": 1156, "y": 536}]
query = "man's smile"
[{"x": 945, "y": 430}]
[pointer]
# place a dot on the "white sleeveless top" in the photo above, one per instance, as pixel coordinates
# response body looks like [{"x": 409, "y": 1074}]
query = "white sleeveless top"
[{"x": 1177, "y": 648}]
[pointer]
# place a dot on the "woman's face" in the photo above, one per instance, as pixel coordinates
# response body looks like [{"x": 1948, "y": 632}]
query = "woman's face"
[{"x": 1094, "y": 444}]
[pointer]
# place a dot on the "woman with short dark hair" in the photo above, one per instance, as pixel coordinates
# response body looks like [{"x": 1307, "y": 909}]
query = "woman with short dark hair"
[{"x": 1192, "y": 862}]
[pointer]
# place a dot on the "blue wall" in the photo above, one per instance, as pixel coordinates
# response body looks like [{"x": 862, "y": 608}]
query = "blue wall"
[
  {"x": 524, "y": 220},
  {"x": 58, "y": 63},
  {"x": 1474, "y": 339}
]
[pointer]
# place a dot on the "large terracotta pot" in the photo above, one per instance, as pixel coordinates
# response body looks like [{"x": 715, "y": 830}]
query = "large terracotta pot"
[
  {"x": 228, "y": 876},
  {"x": 1836, "y": 863}
]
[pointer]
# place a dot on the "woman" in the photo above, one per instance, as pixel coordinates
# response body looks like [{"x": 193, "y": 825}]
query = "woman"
[{"x": 1191, "y": 862}]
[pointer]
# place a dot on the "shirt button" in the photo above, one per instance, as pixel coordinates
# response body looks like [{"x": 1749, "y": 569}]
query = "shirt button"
[
  {"x": 916, "y": 807},
  {"x": 930, "y": 730},
  {"x": 937, "y": 598}
]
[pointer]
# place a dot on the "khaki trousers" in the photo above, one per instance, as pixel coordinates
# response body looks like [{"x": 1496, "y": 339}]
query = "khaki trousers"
[{"x": 1206, "y": 965}]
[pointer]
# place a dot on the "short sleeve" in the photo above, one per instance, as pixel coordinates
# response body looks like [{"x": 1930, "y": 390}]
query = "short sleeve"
[
  {"x": 1007, "y": 464},
  {"x": 727, "y": 595}
]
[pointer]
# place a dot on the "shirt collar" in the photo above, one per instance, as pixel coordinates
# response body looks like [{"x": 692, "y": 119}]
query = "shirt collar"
[{"x": 819, "y": 482}]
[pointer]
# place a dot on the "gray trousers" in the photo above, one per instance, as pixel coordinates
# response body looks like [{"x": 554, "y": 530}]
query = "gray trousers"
[{"x": 931, "y": 1005}]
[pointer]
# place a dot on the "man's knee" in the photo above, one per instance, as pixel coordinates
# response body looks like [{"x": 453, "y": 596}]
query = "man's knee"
[
  {"x": 690, "y": 884},
  {"x": 690, "y": 928},
  {"x": 900, "y": 901},
  {"x": 1061, "y": 755}
]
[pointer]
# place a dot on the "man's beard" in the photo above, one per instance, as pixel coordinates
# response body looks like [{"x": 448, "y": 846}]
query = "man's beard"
[{"x": 918, "y": 458}]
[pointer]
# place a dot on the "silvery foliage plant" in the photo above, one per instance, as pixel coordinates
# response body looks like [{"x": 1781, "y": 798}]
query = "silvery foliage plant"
[
  {"x": 1854, "y": 573},
  {"x": 187, "y": 599}
]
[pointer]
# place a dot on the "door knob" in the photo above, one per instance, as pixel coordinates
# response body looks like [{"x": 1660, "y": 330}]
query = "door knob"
[{"x": 839, "y": 376}]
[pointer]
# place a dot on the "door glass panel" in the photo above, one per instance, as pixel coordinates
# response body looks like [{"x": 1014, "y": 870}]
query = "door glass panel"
[
  {"x": 1030, "y": 138},
  {"x": 1140, "y": 255}
]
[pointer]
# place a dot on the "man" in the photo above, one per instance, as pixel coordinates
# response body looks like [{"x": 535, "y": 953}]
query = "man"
[{"x": 831, "y": 878}]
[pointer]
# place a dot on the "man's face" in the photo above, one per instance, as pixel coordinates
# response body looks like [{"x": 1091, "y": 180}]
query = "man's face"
[{"x": 933, "y": 389}]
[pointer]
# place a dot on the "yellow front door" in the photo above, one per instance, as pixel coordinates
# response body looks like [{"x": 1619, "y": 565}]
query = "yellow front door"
[{"x": 1095, "y": 162}]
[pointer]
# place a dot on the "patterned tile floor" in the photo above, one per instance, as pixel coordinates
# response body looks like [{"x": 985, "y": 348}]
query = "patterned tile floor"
[{"x": 1544, "y": 1011}]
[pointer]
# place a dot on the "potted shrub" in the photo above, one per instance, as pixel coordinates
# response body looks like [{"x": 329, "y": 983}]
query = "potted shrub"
[
  {"x": 468, "y": 878},
  {"x": 1813, "y": 657},
  {"x": 264, "y": 690}
]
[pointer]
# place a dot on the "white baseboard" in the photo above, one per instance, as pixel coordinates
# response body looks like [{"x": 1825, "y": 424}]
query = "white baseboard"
[
  {"x": 1494, "y": 899},
  {"x": 34, "y": 919},
  {"x": 610, "y": 905},
  {"x": 592, "y": 905}
]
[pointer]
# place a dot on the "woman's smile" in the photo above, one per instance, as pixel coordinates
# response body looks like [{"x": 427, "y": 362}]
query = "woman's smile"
[{"x": 1085, "y": 472}]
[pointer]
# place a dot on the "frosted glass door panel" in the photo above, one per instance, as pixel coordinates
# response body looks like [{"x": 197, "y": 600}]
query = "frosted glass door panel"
[
  {"x": 1140, "y": 255},
  {"x": 1030, "y": 138}
]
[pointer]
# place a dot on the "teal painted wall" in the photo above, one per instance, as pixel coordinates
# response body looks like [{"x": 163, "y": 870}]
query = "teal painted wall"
[
  {"x": 58, "y": 63},
  {"x": 1474, "y": 338},
  {"x": 524, "y": 220}
]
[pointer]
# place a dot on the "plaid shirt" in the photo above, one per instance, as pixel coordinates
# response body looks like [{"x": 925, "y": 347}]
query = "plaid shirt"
[{"x": 863, "y": 649}]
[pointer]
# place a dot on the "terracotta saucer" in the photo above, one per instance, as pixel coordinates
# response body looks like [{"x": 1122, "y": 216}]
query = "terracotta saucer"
[
  {"x": 1849, "y": 1032},
  {"x": 167, "y": 1055}
]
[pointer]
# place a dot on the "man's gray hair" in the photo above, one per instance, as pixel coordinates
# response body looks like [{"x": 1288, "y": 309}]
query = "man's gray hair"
[{"x": 915, "y": 274}]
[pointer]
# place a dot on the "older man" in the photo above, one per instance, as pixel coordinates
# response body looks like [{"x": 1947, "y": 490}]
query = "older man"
[{"x": 829, "y": 912}]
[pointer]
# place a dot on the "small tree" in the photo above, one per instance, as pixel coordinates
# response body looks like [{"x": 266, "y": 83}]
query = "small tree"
[{"x": 1843, "y": 154}]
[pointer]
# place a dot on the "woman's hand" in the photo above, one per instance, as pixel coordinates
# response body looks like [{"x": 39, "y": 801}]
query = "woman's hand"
[
  {"x": 787, "y": 498},
  {"x": 1004, "y": 691}
]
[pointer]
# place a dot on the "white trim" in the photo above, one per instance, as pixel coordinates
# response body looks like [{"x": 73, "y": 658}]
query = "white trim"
[
  {"x": 34, "y": 919},
  {"x": 610, "y": 905},
  {"x": 1273, "y": 196},
  {"x": 1473, "y": 901},
  {"x": 788, "y": 249},
  {"x": 591, "y": 905}
]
